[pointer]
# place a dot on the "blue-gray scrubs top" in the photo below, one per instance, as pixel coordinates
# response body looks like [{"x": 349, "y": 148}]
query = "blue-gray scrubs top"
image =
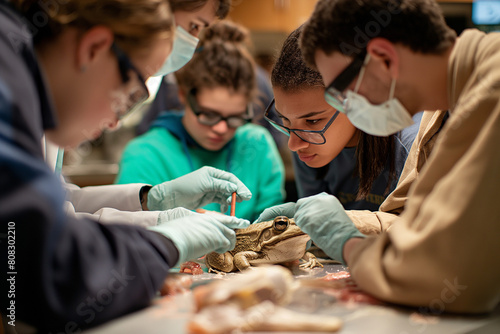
[{"x": 340, "y": 181}]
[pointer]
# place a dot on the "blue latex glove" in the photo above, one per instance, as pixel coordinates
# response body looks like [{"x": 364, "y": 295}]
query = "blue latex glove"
[
  {"x": 324, "y": 219},
  {"x": 287, "y": 209},
  {"x": 196, "y": 189},
  {"x": 197, "y": 234}
]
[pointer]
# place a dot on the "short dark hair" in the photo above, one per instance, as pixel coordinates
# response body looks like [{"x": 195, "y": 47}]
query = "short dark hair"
[
  {"x": 290, "y": 73},
  {"x": 346, "y": 26},
  {"x": 191, "y": 5}
]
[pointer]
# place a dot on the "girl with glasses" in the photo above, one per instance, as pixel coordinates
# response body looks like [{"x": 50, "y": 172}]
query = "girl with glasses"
[
  {"x": 330, "y": 154},
  {"x": 217, "y": 87}
]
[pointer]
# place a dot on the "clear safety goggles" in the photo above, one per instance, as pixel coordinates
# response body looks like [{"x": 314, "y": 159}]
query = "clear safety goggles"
[
  {"x": 334, "y": 92},
  {"x": 134, "y": 91}
]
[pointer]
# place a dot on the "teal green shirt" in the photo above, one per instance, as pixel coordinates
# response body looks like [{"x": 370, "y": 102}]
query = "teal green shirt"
[{"x": 158, "y": 156}]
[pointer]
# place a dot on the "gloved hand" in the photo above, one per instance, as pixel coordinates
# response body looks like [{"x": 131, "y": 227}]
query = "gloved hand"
[
  {"x": 172, "y": 214},
  {"x": 287, "y": 209},
  {"x": 198, "y": 234},
  {"x": 196, "y": 189},
  {"x": 324, "y": 219}
]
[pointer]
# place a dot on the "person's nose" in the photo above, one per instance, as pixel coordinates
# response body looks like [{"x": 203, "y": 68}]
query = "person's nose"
[
  {"x": 295, "y": 143},
  {"x": 221, "y": 127},
  {"x": 112, "y": 124}
]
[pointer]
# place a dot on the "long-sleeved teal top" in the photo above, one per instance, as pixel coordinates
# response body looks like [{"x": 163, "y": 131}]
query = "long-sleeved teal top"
[{"x": 167, "y": 151}]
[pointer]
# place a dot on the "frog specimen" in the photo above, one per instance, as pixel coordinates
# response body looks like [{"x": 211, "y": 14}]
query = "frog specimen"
[{"x": 270, "y": 242}]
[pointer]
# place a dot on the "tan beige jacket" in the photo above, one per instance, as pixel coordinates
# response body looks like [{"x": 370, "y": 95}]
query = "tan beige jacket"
[
  {"x": 370, "y": 222},
  {"x": 443, "y": 251}
]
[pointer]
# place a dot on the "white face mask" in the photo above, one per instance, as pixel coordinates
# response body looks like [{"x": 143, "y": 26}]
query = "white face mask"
[
  {"x": 377, "y": 120},
  {"x": 183, "y": 50}
]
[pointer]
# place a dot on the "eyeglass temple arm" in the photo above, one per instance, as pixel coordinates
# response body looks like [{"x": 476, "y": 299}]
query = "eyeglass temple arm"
[{"x": 345, "y": 78}]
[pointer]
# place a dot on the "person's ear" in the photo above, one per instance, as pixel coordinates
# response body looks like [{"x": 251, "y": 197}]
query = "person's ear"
[
  {"x": 182, "y": 96},
  {"x": 383, "y": 51},
  {"x": 93, "y": 45}
]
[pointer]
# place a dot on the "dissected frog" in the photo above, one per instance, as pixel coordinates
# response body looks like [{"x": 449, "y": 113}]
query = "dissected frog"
[{"x": 270, "y": 242}]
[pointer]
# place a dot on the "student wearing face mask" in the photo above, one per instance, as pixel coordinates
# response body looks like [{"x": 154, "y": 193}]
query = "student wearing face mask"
[
  {"x": 191, "y": 17},
  {"x": 85, "y": 68},
  {"x": 330, "y": 154},
  {"x": 217, "y": 86},
  {"x": 451, "y": 217},
  {"x": 135, "y": 203}
]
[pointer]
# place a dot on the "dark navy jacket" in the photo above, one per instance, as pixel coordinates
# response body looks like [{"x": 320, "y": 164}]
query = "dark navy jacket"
[
  {"x": 339, "y": 178},
  {"x": 64, "y": 273}
]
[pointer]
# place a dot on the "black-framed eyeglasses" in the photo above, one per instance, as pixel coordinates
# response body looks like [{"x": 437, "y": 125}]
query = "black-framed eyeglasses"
[
  {"x": 211, "y": 117},
  {"x": 334, "y": 92},
  {"x": 315, "y": 137},
  {"x": 136, "y": 91}
]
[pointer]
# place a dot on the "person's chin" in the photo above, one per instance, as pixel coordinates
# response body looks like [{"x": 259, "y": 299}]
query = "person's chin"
[
  {"x": 308, "y": 159},
  {"x": 91, "y": 135},
  {"x": 63, "y": 139},
  {"x": 315, "y": 162},
  {"x": 214, "y": 144}
]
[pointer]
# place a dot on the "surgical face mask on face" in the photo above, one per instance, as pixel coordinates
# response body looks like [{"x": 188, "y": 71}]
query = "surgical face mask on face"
[
  {"x": 378, "y": 120},
  {"x": 183, "y": 50}
]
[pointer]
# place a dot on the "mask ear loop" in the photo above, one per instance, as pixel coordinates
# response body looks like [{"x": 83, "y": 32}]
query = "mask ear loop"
[
  {"x": 361, "y": 73},
  {"x": 393, "y": 87}
]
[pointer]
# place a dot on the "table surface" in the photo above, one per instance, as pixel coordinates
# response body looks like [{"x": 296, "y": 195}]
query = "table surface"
[{"x": 171, "y": 314}]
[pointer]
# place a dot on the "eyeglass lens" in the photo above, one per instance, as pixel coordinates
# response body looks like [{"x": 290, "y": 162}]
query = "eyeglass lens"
[
  {"x": 211, "y": 118},
  {"x": 334, "y": 95},
  {"x": 130, "y": 96},
  {"x": 310, "y": 136},
  {"x": 335, "y": 99},
  {"x": 134, "y": 90}
]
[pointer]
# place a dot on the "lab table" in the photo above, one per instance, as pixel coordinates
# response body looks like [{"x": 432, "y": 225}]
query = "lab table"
[{"x": 171, "y": 314}]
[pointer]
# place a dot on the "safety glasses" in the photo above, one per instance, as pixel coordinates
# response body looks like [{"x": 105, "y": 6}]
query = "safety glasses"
[
  {"x": 334, "y": 92},
  {"x": 134, "y": 92},
  {"x": 315, "y": 137},
  {"x": 211, "y": 117}
]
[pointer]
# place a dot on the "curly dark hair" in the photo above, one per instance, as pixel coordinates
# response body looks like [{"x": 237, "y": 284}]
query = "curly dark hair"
[
  {"x": 290, "y": 73},
  {"x": 221, "y": 60},
  {"x": 347, "y": 26}
]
